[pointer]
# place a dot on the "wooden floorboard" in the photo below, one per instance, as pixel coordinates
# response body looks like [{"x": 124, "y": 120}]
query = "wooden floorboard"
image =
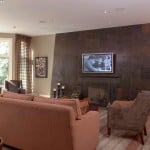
[{"x": 120, "y": 139}]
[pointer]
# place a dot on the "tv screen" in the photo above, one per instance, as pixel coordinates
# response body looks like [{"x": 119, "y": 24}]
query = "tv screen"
[{"x": 97, "y": 63}]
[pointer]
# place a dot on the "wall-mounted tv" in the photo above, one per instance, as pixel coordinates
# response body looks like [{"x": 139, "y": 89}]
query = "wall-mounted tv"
[{"x": 98, "y": 63}]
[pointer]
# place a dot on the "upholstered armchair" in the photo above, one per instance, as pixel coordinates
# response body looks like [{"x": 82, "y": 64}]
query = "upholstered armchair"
[
  {"x": 129, "y": 115},
  {"x": 14, "y": 86}
]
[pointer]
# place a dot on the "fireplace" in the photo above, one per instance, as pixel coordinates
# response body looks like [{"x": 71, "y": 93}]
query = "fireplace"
[{"x": 99, "y": 94}]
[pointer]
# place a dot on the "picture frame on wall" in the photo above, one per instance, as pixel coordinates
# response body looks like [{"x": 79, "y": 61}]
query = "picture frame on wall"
[
  {"x": 98, "y": 63},
  {"x": 41, "y": 67}
]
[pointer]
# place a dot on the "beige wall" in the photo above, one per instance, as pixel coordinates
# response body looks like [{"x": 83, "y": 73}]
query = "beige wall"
[
  {"x": 44, "y": 46},
  {"x": 7, "y": 35}
]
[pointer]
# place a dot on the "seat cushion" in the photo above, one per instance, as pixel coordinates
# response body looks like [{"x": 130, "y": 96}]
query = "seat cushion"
[
  {"x": 13, "y": 95},
  {"x": 74, "y": 103}
]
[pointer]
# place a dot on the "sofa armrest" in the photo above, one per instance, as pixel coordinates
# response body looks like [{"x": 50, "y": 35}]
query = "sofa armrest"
[{"x": 86, "y": 131}]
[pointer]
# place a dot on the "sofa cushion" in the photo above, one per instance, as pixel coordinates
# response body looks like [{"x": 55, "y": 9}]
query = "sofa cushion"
[
  {"x": 13, "y": 95},
  {"x": 74, "y": 103}
]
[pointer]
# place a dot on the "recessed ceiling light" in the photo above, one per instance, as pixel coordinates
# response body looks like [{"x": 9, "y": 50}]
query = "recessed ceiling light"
[
  {"x": 2, "y": 2},
  {"x": 107, "y": 12}
]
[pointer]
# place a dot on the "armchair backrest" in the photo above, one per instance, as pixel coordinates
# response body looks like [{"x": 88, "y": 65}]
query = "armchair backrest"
[
  {"x": 18, "y": 83},
  {"x": 142, "y": 102},
  {"x": 133, "y": 117},
  {"x": 14, "y": 86},
  {"x": 141, "y": 106}
]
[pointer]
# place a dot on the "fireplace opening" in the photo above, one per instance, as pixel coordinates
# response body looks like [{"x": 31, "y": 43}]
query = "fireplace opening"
[{"x": 99, "y": 94}]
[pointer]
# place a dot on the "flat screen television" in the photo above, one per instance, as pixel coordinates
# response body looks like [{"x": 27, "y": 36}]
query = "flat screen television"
[{"x": 98, "y": 63}]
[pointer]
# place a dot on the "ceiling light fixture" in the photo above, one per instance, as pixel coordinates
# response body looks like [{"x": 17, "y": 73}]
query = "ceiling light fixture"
[
  {"x": 107, "y": 12},
  {"x": 2, "y": 2}
]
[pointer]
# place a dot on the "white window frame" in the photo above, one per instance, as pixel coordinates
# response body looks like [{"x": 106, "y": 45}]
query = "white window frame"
[{"x": 10, "y": 41}]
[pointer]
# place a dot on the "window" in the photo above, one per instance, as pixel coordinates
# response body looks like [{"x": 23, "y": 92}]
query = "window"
[{"x": 5, "y": 59}]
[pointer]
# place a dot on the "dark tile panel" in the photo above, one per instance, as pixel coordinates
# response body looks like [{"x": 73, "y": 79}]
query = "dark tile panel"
[{"x": 131, "y": 45}]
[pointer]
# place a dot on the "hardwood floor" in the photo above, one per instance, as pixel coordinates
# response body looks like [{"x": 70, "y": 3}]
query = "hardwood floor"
[{"x": 118, "y": 140}]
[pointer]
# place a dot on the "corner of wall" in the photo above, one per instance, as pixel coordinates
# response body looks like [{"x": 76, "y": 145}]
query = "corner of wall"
[{"x": 44, "y": 46}]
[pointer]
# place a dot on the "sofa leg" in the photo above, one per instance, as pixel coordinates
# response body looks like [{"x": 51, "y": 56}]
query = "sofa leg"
[
  {"x": 145, "y": 132},
  {"x": 141, "y": 137},
  {"x": 108, "y": 131}
]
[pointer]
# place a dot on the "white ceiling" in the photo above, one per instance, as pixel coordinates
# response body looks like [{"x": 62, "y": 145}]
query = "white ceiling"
[{"x": 42, "y": 17}]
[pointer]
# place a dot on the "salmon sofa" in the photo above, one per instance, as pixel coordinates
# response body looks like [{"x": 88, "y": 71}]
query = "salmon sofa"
[{"x": 31, "y": 125}]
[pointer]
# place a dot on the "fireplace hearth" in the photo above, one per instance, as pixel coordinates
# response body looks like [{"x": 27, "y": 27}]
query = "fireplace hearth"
[{"x": 99, "y": 94}]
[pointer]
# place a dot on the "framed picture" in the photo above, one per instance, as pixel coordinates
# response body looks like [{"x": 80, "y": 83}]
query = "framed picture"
[
  {"x": 98, "y": 63},
  {"x": 41, "y": 67}
]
